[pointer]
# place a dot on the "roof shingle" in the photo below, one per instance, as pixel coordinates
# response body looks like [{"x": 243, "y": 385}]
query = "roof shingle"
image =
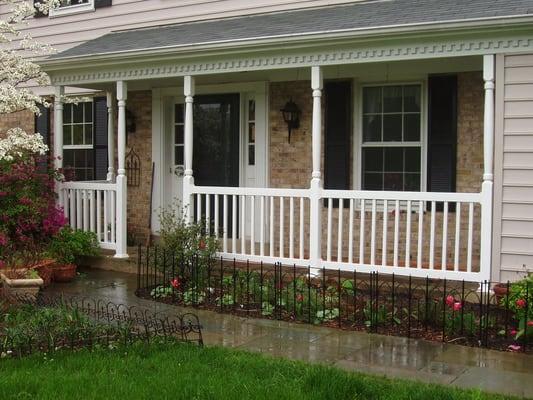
[{"x": 359, "y": 15}]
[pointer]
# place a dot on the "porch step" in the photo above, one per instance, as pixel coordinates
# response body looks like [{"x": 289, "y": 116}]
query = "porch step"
[{"x": 106, "y": 261}]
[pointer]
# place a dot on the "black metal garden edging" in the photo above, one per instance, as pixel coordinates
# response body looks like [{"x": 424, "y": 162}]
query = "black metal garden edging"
[
  {"x": 104, "y": 323},
  {"x": 447, "y": 311}
]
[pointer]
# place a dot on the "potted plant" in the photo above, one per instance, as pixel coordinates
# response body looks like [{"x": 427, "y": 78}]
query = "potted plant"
[
  {"x": 30, "y": 217},
  {"x": 66, "y": 247}
]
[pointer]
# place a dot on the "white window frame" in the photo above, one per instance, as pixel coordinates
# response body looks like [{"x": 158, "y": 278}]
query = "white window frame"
[
  {"x": 80, "y": 146},
  {"x": 358, "y": 143},
  {"x": 72, "y": 9}
]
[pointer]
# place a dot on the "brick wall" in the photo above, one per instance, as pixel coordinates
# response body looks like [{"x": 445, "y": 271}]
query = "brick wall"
[{"x": 140, "y": 104}]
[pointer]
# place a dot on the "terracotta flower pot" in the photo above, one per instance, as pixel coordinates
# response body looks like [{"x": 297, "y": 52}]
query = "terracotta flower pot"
[
  {"x": 64, "y": 273},
  {"x": 500, "y": 291},
  {"x": 45, "y": 270},
  {"x": 23, "y": 288}
]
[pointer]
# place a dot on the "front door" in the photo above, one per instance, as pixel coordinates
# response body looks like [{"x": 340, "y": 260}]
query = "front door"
[{"x": 216, "y": 156}]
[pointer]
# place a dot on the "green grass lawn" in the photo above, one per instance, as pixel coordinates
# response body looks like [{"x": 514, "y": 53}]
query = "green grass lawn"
[{"x": 176, "y": 371}]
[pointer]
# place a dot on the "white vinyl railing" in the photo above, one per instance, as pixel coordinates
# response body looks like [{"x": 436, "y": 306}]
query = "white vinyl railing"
[
  {"x": 438, "y": 235},
  {"x": 92, "y": 206}
]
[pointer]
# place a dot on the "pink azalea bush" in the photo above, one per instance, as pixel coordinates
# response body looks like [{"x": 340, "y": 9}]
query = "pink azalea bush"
[{"x": 30, "y": 217}]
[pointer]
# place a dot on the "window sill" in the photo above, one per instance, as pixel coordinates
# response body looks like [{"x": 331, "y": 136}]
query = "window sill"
[{"x": 72, "y": 10}]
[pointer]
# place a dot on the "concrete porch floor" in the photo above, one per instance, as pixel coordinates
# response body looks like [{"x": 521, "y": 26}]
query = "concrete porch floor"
[{"x": 397, "y": 357}]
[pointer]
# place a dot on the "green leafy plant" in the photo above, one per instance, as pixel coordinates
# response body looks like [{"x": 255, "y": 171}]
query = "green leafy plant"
[
  {"x": 185, "y": 239},
  {"x": 327, "y": 315},
  {"x": 267, "y": 309},
  {"x": 520, "y": 302},
  {"x": 69, "y": 244},
  {"x": 161, "y": 292}
]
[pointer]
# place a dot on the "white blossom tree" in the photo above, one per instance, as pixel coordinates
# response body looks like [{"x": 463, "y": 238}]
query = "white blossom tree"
[{"x": 19, "y": 71}]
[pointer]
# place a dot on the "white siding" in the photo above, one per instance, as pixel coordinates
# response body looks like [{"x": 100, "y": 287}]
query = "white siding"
[
  {"x": 66, "y": 31},
  {"x": 514, "y": 167}
]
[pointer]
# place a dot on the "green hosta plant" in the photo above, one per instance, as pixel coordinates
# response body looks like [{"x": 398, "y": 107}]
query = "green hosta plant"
[
  {"x": 161, "y": 292},
  {"x": 326, "y": 315},
  {"x": 70, "y": 244}
]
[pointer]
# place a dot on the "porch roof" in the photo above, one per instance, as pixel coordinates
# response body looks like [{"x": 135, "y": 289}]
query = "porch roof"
[{"x": 361, "y": 16}]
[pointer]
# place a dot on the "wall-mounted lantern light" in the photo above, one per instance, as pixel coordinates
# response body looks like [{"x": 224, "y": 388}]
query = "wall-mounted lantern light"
[{"x": 291, "y": 116}]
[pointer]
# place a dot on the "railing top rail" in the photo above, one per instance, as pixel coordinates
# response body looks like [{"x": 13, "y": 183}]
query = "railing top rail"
[
  {"x": 90, "y": 185},
  {"x": 250, "y": 191},
  {"x": 402, "y": 196},
  {"x": 340, "y": 194}
]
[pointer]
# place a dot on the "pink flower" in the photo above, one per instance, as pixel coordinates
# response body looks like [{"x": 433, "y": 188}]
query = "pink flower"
[
  {"x": 521, "y": 303},
  {"x": 529, "y": 323},
  {"x": 175, "y": 283},
  {"x": 513, "y": 332},
  {"x": 450, "y": 301},
  {"x": 3, "y": 194},
  {"x": 514, "y": 347},
  {"x": 299, "y": 298},
  {"x": 457, "y": 306},
  {"x": 3, "y": 239},
  {"x": 25, "y": 201}
]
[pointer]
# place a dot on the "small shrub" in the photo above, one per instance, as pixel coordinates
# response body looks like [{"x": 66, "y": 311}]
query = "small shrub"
[
  {"x": 69, "y": 244},
  {"x": 186, "y": 240}
]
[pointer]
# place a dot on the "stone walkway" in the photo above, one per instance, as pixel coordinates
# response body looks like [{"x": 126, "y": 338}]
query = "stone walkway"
[{"x": 432, "y": 362}]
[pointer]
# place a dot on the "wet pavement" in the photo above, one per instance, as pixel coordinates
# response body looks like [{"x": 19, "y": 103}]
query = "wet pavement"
[{"x": 431, "y": 362}]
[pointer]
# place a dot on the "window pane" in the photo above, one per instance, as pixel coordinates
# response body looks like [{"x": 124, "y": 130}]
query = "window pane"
[
  {"x": 67, "y": 135},
  {"x": 373, "y": 181},
  {"x": 251, "y": 110},
  {"x": 392, "y": 99},
  {"x": 412, "y": 182},
  {"x": 88, "y": 133},
  {"x": 372, "y": 100},
  {"x": 179, "y": 110},
  {"x": 178, "y": 155},
  {"x": 394, "y": 159},
  {"x": 88, "y": 111},
  {"x": 251, "y": 133},
  {"x": 411, "y": 127},
  {"x": 68, "y": 158},
  {"x": 392, "y": 128},
  {"x": 77, "y": 134},
  {"x": 411, "y": 98},
  {"x": 251, "y": 154},
  {"x": 373, "y": 159},
  {"x": 67, "y": 113},
  {"x": 372, "y": 128},
  {"x": 77, "y": 114},
  {"x": 412, "y": 159},
  {"x": 393, "y": 181},
  {"x": 178, "y": 138}
]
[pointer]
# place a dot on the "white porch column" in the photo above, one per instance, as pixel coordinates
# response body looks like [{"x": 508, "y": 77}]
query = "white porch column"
[
  {"x": 188, "y": 179},
  {"x": 110, "y": 137},
  {"x": 59, "y": 92},
  {"x": 488, "y": 153},
  {"x": 315, "y": 231},
  {"x": 122, "y": 194}
]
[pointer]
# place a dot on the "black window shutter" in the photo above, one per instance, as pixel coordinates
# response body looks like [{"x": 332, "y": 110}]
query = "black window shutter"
[
  {"x": 337, "y": 135},
  {"x": 100, "y": 138},
  {"x": 102, "y": 3},
  {"x": 442, "y": 137},
  {"x": 42, "y": 125}
]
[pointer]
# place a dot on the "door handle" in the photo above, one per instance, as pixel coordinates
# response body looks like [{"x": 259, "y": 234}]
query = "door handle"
[{"x": 178, "y": 171}]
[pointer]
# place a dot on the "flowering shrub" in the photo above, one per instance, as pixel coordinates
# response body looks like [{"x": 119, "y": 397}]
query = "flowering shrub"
[
  {"x": 30, "y": 217},
  {"x": 520, "y": 301}
]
